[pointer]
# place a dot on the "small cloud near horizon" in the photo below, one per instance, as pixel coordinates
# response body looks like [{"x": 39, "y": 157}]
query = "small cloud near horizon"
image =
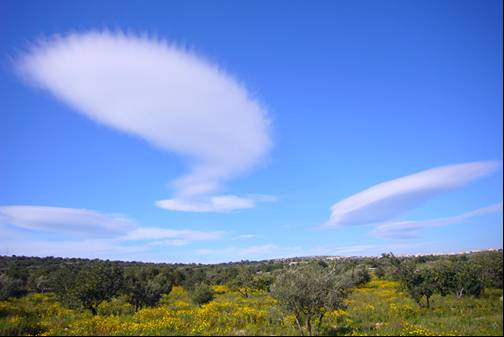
[{"x": 410, "y": 229}]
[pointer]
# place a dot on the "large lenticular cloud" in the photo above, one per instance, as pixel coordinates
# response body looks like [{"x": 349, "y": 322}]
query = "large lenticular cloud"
[
  {"x": 172, "y": 98},
  {"x": 393, "y": 198}
]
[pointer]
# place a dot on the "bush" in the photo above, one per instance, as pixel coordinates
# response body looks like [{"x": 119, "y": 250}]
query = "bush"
[
  {"x": 361, "y": 277},
  {"x": 10, "y": 287},
  {"x": 201, "y": 294},
  {"x": 380, "y": 271},
  {"x": 146, "y": 290}
]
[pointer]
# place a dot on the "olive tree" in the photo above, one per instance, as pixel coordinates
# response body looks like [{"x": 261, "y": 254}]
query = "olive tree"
[
  {"x": 418, "y": 280},
  {"x": 91, "y": 285},
  {"x": 247, "y": 280},
  {"x": 244, "y": 281},
  {"x": 143, "y": 289},
  {"x": 10, "y": 287},
  {"x": 308, "y": 293},
  {"x": 459, "y": 278}
]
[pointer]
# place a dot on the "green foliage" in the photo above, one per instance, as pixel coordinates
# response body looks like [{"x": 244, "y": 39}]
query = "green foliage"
[
  {"x": 491, "y": 267},
  {"x": 10, "y": 287},
  {"x": 262, "y": 281},
  {"x": 247, "y": 280},
  {"x": 193, "y": 276},
  {"x": 374, "y": 309},
  {"x": 144, "y": 289},
  {"x": 469, "y": 280},
  {"x": 41, "y": 283},
  {"x": 379, "y": 309},
  {"x": 244, "y": 281},
  {"x": 201, "y": 294},
  {"x": 421, "y": 283},
  {"x": 27, "y": 325},
  {"x": 308, "y": 293},
  {"x": 380, "y": 271},
  {"x": 361, "y": 276},
  {"x": 455, "y": 288},
  {"x": 446, "y": 276},
  {"x": 90, "y": 286}
]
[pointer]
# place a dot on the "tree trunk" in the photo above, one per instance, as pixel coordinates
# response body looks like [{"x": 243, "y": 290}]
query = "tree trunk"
[
  {"x": 308, "y": 327},
  {"x": 299, "y": 326},
  {"x": 319, "y": 324},
  {"x": 428, "y": 301},
  {"x": 93, "y": 310}
]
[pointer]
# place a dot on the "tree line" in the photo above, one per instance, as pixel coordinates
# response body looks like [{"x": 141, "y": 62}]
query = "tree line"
[{"x": 307, "y": 288}]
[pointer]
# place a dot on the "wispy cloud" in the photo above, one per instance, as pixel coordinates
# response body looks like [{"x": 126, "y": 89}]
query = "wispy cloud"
[
  {"x": 411, "y": 229},
  {"x": 65, "y": 220},
  {"x": 390, "y": 199},
  {"x": 170, "y": 97},
  {"x": 63, "y": 231},
  {"x": 88, "y": 248},
  {"x": 244, "y": 237},
  {"x": 153, "y": 233},
  {"x": 222, "y": 203}
]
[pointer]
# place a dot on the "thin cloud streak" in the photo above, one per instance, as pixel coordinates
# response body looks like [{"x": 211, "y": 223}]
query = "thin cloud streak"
[
  {"x": 82, "y": 230},
  {"x": 65, "y": 220},
  {"x": 244, "y": 237},
  {"x": 411, "y": 229},
  {"x": 153, "y": 233},
  {"x": 216, "y": 204}
]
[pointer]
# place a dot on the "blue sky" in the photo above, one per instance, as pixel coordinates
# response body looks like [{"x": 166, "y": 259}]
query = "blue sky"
[{"x": 219, "y": 131}]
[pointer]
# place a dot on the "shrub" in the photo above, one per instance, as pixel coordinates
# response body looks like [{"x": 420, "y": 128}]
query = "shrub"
[
  {"x": 361, "y": 277},
  {"x": 10, "y": 287},
  {"x": 201, "y": 294},
  {"x": 144, "y": 290}
]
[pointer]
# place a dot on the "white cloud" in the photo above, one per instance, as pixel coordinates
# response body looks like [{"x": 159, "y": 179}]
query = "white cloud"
[
  {"x": 153, "y": 233},
  {"x": 244, "y": 237},
  {"x": 393, "y": 198},
  {"x": 65, "y": 220},
  {"x": 89, "y": 248},
  {"x": 175, "y": 242},
  {"x": 410, "y": 229},
  {"x": 63, "y": 231},
  {"x": 169, "y": 97},
  {"x": 261, "y": 249},
  {"x": 221, "y": 204}
]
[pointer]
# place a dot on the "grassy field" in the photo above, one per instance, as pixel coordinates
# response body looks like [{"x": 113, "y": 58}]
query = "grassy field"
[{"x": 376, "y": 308}]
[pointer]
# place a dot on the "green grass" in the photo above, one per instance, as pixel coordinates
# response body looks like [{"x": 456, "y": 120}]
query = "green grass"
[{"x": 379, "y": 309}]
